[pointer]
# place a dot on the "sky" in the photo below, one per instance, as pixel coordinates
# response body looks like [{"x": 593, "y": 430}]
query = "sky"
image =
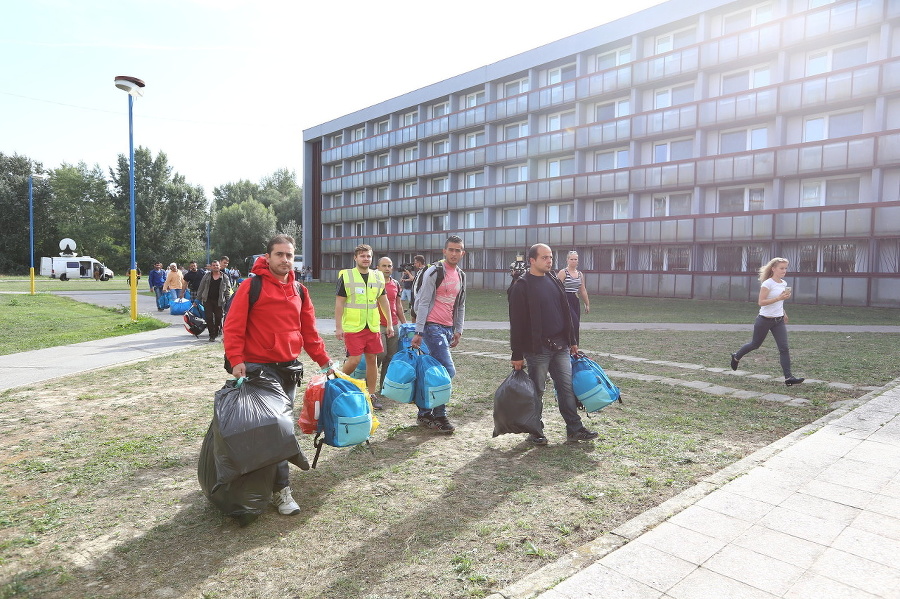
[{"x": 232, "y": 84}]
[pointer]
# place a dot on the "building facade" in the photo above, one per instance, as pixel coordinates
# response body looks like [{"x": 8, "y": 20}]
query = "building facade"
[{"x": 676, "y": 150}]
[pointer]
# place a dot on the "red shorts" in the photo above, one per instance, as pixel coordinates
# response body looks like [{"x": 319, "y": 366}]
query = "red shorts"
[{"x": 363, "y": 342}]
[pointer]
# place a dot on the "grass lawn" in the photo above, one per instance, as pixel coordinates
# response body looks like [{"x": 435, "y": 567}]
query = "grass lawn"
[
  {"x": 30, "y": 322},
  {"x": 99, "y": 496}
]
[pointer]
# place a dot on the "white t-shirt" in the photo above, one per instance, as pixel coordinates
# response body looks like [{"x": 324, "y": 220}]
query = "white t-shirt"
[{"x": 775, "y": 289}]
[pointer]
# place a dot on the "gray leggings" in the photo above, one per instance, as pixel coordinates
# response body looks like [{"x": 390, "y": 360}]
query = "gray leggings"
[{"x": 779, "y": 330}]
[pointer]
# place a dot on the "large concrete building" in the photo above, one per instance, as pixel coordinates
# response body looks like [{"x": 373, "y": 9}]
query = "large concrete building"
[{"x": 676, "y": 149}]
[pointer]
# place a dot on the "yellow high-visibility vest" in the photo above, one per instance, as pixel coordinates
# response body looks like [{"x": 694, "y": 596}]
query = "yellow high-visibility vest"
[{"x": 361, "y": 309}]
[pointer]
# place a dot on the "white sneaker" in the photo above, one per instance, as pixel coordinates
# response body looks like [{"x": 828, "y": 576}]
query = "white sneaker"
[{"x": 285, "y": 503}]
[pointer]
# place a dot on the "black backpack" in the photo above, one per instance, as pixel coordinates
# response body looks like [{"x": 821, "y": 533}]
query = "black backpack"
[
  {"x": 255, "y": 290},
  {"x": 417, "y": 284}
]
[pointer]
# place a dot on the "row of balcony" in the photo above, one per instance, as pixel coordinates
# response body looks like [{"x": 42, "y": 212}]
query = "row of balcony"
[{"x": 767, "y": 39}]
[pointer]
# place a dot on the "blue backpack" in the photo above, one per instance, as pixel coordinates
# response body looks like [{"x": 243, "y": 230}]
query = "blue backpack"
[
  {"x": 433, "y": 384},
  {"x": 400, "y": 378},
  {"x": 593, "y": 389},
  {"x": 345, "y": 417},
  {"x": 405, "y": 333}
]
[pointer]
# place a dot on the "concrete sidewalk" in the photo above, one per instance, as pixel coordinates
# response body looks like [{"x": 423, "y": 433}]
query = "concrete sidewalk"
[{"x": 815, "y": 515}]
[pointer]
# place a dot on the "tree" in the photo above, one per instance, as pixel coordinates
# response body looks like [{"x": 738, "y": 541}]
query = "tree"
[
  {"x": 170, "y": 214},
  {"x": 234, "y": 193},
  {"x": 243, "y": 229},
  {"x": 281, "y": 192},
  {"x": 83, "y": 210},
  {"x": 14, "y": 225}
]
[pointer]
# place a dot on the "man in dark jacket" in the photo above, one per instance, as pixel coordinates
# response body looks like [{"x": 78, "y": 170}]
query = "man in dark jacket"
[
  {"x": 541, "y": 334},
  {"x": 157, "y": 279},
  {"x": 193, "y": 277},
  {"x": 213, "y": 292}
]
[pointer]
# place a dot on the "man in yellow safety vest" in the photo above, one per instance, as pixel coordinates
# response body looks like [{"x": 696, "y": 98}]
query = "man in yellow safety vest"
[{"x": 357, "y": 320}]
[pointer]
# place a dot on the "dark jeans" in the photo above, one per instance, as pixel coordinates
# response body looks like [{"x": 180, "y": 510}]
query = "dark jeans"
[
  {"x": 559, "y": 365},
  {"x": 391, "y": 345},
  {"x": 286, "y": 376},
  {"x": 213, "y": 315},
  {"x": 575, "y": 309},
  {"x": 763, "y": 326}
]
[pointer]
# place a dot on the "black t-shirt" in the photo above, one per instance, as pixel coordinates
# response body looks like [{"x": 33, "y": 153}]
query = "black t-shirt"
[
  {"x": 544, "y": 290},
  {"x": 212, "y": 297}
]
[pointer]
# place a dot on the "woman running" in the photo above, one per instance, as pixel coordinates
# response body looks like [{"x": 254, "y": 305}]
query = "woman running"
[{"x": 772, "y": 317}]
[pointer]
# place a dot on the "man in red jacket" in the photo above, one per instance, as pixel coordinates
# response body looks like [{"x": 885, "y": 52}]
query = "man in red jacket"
[{"x": 270, "y": 334}]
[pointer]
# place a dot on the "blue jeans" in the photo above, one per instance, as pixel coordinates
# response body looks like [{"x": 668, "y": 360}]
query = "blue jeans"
[
  {"x": 761, "y": 328},
  {"x": 437, "y": 338},
  {"x": 559, "y": 365}
]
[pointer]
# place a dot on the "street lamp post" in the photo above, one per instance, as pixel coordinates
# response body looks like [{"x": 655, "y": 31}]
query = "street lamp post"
[
  {"x": 31, "y": 222},
  {"x": 133, "y": 87}
]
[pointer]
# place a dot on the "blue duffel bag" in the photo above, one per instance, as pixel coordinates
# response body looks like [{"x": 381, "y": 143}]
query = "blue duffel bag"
[
  {"x": 593, "y": 389},
  {"x": 179, "y": 306}
]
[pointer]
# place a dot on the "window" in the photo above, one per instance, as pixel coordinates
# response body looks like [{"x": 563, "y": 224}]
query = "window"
[
  {"x": 410, "y": 118},
  {"x": 675, "y": 258},
  {"x": 827, "y": 257},
  {"x": 381, "y": 194},
  {"x": 474, "y": 219},
  {"x": 337, "y": 200},
  {"x": 382, "y": 227},
  {"x": 338, "y": 230},
  {"x": 832, "y": 59},
  {"x": 441, "y": 109},
  {"x": 441, "y": 146},
  {"x": 740, "y": 81},
  {"x": 745, "y": 19},
  {"x": 359, "y": 196},
  {"x": 739, "y": 258},
  {"x": 440, "y": 185},
  {"x": 515, "y": 217},
  {"x": 359, "y": 228},
  {"x": 675, "y": 40},
  {"x": 560, "y": 120},
  {"x": 474, "y": 179},
  {"x": 558, "y": 167},
  {"x": 742, "y": 140},
  {"x": 741, "y": 199},
  {"x": 607, "y": 111},
  {"x": 515, "y": 130},
  {"x": 474, "y": 99},
  {"x": 676, "y": 204},
  {"x": 611, "y": 159},
  {"x": 613, "y": 58},
  {"x": 663, "y": 98},
  {"x": 515, "y": 173},
  {"x": 560, "y": 74},
  {"x": 337, "y": 139},
  {"x": 382, "y": 160},
  {"x": 410, "y": 225},
  {"x": 359, "y": 133},
  {"x": 473, "y": 139},
  {"x": 830, "y": 126},
  {"x": 359, "y": 165},
  {"x": 382, "y": 127},
  {"x": 560, "y": 213},
  {"x": 439, "y": 222},
  {"x": 609, "y": 259},
  {"x": 409, "y": 189},
  {"x": 611, "y": 209},
  {"x": 410, "y": 153},
  {"x": 513, "y": 88},
  {"x": 830, "y": 192},
  {"x": 337, "y": 170},
  {"x": 668, "y": 151}
]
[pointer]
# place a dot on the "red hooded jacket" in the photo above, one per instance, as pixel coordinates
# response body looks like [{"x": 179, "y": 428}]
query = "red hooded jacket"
[{"x": 279, "y": 324}]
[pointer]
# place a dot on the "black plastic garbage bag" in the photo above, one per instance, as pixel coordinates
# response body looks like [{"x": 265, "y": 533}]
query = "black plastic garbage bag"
[
  {"x": 245, "y": 497},
  {"x": 514, "y": 406},
  {"x": 253, "y": 427}
]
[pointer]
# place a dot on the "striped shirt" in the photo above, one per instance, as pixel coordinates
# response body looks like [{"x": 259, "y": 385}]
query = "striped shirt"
[{"x": 572, "y": 284}]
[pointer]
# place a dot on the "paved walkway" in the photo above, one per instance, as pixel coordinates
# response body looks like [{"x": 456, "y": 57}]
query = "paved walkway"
[{"x": 815, "y": 515}]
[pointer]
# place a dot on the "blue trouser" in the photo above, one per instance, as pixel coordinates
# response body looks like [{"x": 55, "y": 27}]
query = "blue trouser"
[
  {"x": 438, "y": 337},
  {"x": 761, "y": 327},
  {"x": 559, "y": 365}
]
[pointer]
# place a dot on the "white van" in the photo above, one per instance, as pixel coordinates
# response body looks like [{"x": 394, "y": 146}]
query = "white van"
[{"x": 73, "y": 267}]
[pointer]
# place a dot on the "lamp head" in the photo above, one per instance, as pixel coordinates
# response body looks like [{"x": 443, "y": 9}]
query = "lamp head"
[{"x": 130, "y": 85}]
